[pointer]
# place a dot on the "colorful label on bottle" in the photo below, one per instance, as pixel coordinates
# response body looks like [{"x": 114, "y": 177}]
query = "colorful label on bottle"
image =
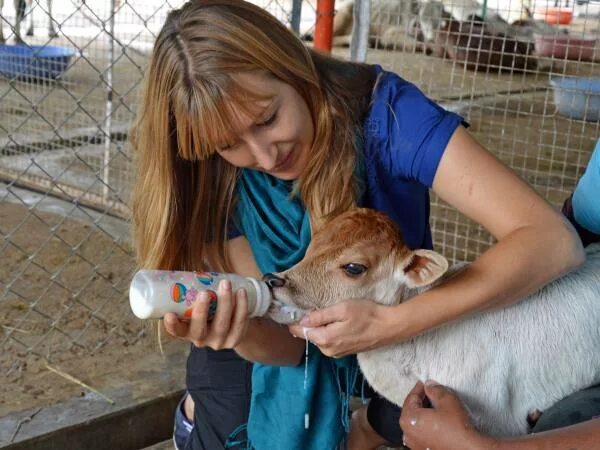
[
  {"x": 180, "y": 293},
  {"x": 206, "y": 278}
]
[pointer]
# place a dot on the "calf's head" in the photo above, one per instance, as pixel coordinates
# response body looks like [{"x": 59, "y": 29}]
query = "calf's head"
[{"x": 358, "y": 255}]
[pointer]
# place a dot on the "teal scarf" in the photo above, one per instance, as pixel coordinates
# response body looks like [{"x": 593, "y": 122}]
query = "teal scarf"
[{"x": 283, "y": 402}]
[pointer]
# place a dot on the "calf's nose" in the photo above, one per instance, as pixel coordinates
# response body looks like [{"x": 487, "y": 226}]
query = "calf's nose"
[{"x": 273, "y": 280}]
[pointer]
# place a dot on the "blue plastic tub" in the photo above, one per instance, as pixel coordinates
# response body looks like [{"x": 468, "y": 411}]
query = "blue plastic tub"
[
  {"x": 577, "y": 98},
  {"x": 36, "y": 62}
]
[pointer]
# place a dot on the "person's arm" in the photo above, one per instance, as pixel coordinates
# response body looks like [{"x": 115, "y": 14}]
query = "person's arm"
[
  {"x": 257, "y": 340},
  {"x": 446, "y": 424},
  {"x": 265, "y": 341},
  {"x": 536, "y": 244}
]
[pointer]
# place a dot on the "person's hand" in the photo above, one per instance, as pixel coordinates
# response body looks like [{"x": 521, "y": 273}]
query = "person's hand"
[
  {"x": 345, "y": 328},
  {"x": 225, "y": 330},
  {"x": 446, "y": 425}
]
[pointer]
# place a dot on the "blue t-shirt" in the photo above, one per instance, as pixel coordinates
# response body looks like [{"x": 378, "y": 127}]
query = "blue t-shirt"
[{"x": 405, "y": 135}]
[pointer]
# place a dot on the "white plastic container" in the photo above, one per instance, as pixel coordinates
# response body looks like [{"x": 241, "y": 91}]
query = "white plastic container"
[{"x": 153, "y": 293}]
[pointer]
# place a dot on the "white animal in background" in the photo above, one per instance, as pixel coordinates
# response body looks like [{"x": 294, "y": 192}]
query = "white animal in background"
[
  {"x": 393, "y": 20},
  {"x": 24, "y": 9},
  {"x": 507, "y": 365}
]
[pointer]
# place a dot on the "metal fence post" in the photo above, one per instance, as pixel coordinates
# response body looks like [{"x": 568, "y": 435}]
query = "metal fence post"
[
  {"x": 360, "y": 30},
  {"x": 295, "y": 16},
  {"x": 109, "y": 102}
]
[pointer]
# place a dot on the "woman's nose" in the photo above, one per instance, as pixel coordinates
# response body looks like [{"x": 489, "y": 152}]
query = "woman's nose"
[
  {"x": 273, "y": 280},
  {"x": 266, "y": 160},
  {"x": 264, "y": 153}
]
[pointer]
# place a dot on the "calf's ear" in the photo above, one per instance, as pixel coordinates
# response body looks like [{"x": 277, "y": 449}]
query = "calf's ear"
[{"x": 423, "y": 267}]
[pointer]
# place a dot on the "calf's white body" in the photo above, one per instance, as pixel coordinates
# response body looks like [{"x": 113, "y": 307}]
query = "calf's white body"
[{"x": 504, "y": 363}]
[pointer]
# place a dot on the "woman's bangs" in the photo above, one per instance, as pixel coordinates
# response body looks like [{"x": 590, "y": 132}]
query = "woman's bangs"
[{"x": 215, "y": 119}]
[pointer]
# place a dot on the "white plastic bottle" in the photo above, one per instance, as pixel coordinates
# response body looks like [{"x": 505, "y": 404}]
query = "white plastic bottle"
[{"x": 153, "y": 293}]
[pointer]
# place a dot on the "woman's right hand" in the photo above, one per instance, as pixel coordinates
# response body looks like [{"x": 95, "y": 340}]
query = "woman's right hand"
[{"x": 225, "y": 330}]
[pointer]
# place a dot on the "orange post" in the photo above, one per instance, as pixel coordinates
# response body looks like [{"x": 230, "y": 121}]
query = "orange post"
[{"x": 324, "y": 25}]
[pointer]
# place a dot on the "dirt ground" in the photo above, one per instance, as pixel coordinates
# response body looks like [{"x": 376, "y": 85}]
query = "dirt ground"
[{"x": 66, "y": 305}]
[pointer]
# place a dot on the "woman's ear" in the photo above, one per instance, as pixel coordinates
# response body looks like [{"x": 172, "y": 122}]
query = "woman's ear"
[{"x": 423, "y": 267}]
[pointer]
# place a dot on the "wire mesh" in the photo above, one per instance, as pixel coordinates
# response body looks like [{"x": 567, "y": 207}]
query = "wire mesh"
[
  {"x": 67, "y": 169},
  {"x": 529, "y": 87},
  {"x": 67, "y": 98}
]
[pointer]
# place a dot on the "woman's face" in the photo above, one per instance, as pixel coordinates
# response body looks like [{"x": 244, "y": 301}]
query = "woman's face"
[{"x": 279, "y": 140}]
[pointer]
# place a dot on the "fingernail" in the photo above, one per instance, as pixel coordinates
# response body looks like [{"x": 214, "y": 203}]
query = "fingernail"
[
  {"x": 431, "y": 383},
  {"x": 305, "y": 322},
  {"x": 225, "y": 285},
  {"x": 203, "y": 297},
  {"x": 242, "y": 293}
]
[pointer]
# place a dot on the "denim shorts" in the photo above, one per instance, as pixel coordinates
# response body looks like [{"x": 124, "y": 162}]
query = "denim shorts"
[{"x": 182, "y": 428}]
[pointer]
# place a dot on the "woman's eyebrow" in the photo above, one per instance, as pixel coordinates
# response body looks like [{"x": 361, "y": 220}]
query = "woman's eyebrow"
[
  {"x": 267, "y": 112},
  {"x": 268, "y": 108}
]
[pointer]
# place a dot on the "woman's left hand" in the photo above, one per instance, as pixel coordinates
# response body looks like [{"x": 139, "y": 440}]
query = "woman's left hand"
[{"x": 346, "y": 328}]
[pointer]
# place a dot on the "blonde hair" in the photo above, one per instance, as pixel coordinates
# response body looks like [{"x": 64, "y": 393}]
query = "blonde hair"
[{"x": 184, "y": 192}]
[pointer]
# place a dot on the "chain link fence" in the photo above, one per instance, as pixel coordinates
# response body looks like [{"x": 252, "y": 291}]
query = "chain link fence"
[
  {"x": 66, "y": 169},
  {"x": 65, "y": 177},
  {"x": 528, "y": 86}
]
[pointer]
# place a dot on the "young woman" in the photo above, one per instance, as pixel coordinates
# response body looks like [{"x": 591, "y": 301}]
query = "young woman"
[{"x": 246, "y": 143}]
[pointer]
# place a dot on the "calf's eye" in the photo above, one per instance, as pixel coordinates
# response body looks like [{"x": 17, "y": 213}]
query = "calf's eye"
[{"x": 354, "y": 269}]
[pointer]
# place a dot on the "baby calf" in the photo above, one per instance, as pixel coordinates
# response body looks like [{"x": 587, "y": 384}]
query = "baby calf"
[{"x": 505, "y": 364}]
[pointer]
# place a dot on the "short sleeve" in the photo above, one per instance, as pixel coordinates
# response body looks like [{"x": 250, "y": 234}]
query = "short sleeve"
[
  {"x": 233, "y": 230},
  {"x": 586, "y": 206},
  {"x": 411, "y": 131}
]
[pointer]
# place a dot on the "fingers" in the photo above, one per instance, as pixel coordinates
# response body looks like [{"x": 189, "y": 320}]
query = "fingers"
[
  {"x": 224, "y": 329},
  {"x": 174, "y": 326},
  {"x": 239, "y": 319},
  {"x": 412, "y": 409},
  {"x": 321, "y": 337},
  {"x": 198, "y": 328},
  {"x": 441, "y": 397},
  {"x": 415, "y": 397},
  {"x": 221, "y": 321},
  {"x": 327, "y": 339},
  {"x": 324, "y": 326},
  {"x": 324, "y": 316},
  {"x": 447, "y": 421},
  {"x": 346, "y": 328},
  {"x": 299, "y": 331}
]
